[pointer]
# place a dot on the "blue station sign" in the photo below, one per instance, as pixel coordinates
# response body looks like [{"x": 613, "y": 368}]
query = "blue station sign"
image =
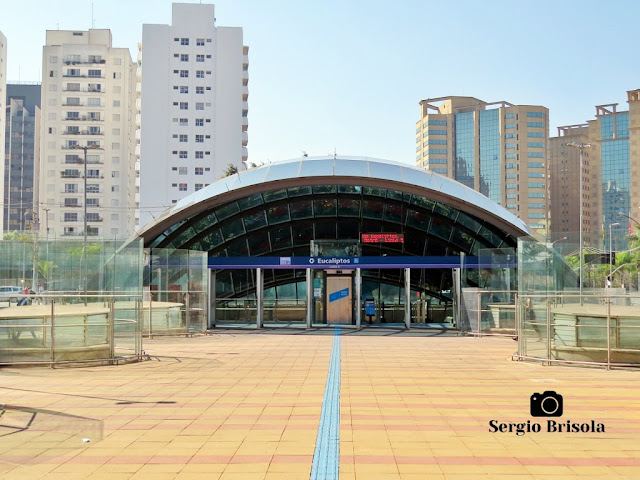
[{"x": 350, "y": 263}]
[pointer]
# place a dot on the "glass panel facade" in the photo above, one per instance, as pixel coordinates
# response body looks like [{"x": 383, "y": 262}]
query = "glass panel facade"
[
  {"x": 490, "y": 154},
  {"x": 465, "y": 148},
  {"x": 616, "y": 195}
]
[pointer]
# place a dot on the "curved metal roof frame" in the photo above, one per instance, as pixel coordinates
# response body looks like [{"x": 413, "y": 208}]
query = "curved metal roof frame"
[{"x": 340, "y": 170}]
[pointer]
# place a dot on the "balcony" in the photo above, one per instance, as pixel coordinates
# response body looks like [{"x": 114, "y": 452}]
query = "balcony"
[
  {"x": 70, "y": 174},
  {"x": 94, "y": 177},
  {"x": 81, "y": 132},
  {"x": 69, "y": 191},
  {"x": 82, "y": 76},
  {"x": 245, "y": 139},
  {"x": 71, "y": 205},
  {"x": 94, "y": 220},
  {"x": 82, "y": 118},
  {"x": 88, "y": 61},
  {"x": 82, "y": 90}
]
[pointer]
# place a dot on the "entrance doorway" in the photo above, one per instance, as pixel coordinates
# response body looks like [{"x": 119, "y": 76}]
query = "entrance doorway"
[{"x": 339, "y": 299}]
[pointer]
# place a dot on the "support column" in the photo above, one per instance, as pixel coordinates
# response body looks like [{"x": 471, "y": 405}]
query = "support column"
[
  {"x": 309, "y": 298},
  {"x": 259, "y": 297},
  {"x": 211, "y": 321},
  {"x": 358, "y": 297},
  {"x": 407, "y": 297}
]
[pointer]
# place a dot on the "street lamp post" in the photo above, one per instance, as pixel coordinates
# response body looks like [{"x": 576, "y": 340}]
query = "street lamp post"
[
  {"x": 85, "y": 224},
  {"x": 610, "y": 282},
  {"x": 580, "y": 147},
  {"x": 620, "y": 214}
]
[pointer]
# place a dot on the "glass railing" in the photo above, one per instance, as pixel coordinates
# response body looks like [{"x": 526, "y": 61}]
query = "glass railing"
[{"x": 70, "y": 328}]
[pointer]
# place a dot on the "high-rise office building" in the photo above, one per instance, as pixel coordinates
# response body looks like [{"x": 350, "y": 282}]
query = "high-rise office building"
[
  {"x": 88, "y": 110},
  {"x": 194, "y": 106},
  {"x": 497, "y": 148},
  {"x": 3, "y": 113},
  {"x": 565, "y": 185},
  {"x": 611, "y": 181},
  {"x": 22, "y": 157}
]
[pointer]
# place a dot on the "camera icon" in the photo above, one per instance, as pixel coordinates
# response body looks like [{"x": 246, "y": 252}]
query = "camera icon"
[{"x": 547, "y": 404}]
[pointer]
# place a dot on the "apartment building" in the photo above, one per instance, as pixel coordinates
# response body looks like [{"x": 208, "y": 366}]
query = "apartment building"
[
  {"x": 87, "y": 135},
  {"x": 22, "y": 157},
  {"x": 194, "y": 106},
  {"x": 496, "y": 148},
  {"x": 3, "y": 114}
]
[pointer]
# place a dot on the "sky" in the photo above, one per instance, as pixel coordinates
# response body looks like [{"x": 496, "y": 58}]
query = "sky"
[{"x": 347, "y": 76}]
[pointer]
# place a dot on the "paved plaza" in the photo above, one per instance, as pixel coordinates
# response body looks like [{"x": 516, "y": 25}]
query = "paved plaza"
[{"x": 243, "y": 404}]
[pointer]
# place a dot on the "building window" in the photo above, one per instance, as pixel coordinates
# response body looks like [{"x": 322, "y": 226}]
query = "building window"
[
  {"x": 183, "y": 154},
  {"x": 535, "y": 154},
  {"x": 199, "y": 171},
  {"x": 535, "y": 124},
  {"x": 93, "y": 188},
  {"x": 199, "y": 58},
  {"x": 115, "y": 188},
  {"x": 200, "y": 42},
  {"x": 184, "y": 105},
  {"x": 199, "y": 154},
  {"x": 93, "y": 217},
  {"x": 95, "y": 73},
  {"x": 70, "y": 188},
  {"x": 183, "y": 171},
  {"x": 184, "y": 41},
  {"x": 509, "y": 115},
  {"x": 199, "y": 122},
  {"x": 184, "y": 73},
  {"x": 199, "y": 138},
  {"x": 535, "y": 114},
  {"x": 535, "y": 175},
  {"x": 199, "y": 90},
  {"x": 535, "y": 145},
  {"x": 182, "y": 187},
  {"x": 199, "y": 106},
  {"x": 70, "y": 217},
  {"x": 199, "y": 73},
  {"x": 184, "y": 89},
  {"x": 185, "y": 138},
  {"x": 198, "y": 187},
  {"x": 184, "y": 122},
  {"x": 184, "y": 57}
]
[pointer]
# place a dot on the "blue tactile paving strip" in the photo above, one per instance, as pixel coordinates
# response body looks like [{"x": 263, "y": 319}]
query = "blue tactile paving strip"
[{"x": 327, "y": 454}]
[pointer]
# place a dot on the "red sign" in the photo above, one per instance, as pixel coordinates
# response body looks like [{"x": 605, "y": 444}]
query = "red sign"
[{"x": 383, "y": 238}]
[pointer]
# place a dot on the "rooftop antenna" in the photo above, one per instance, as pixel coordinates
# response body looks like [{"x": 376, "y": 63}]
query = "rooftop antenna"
[
  {"x": 305, "y": 154},
  {"x": 335, "y": 153},
  {"x": 93, "y": 19}
]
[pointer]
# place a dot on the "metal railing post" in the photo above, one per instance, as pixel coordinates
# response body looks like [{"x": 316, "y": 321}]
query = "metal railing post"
[
  {"x": 112, "y": 330},
  {"x": 548, "y": 331},
  {"x": 150, "y": 312},
  {"x": 479, "y": 317},
  {"x": 608, "y": 333},
  {"x": 187, "y": 311},
  {"x": 53, "y": 357}
]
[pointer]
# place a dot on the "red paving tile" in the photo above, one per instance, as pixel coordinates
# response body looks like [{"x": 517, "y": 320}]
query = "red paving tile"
[{"x": 412, "y": 407}]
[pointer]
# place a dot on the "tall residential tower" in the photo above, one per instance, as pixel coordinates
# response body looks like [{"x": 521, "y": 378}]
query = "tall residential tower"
[
  {"x": 88, "y": 100},
  {"x": 498, "y": 149},
  {"x": 194, "y": 106}
]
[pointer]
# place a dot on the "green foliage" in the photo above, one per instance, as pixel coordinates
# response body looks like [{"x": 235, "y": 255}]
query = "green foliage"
[{"x": 230, "y": 170}]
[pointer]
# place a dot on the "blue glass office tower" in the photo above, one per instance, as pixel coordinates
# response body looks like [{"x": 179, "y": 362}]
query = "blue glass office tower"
[{"x": 498, "y": 149}]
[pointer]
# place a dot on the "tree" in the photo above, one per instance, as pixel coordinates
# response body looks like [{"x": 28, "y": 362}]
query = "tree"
[{"x": 230, "y": 170}]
